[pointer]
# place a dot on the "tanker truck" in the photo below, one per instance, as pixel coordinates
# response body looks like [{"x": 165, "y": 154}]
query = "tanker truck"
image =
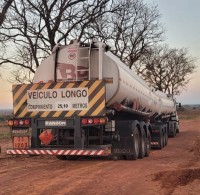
[{"x": 84, "y": 101}]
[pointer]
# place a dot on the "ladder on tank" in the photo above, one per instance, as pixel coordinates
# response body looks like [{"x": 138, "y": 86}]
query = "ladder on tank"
[{"x": 86, "y": 58}]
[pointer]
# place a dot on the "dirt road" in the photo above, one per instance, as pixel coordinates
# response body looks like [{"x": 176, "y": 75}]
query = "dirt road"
[{"x": 173, "y": 170}]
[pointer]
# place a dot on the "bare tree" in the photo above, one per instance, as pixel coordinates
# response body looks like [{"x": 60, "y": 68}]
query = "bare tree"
[
  {"x": 4, "y": 10},
  {"x": 131, "y": 28},
  {"x": 32, "y": 28},
  {"x": 167, "y": 69},
  {"x": 130, "y": 31},
  {"x": 5, "y": 5}
]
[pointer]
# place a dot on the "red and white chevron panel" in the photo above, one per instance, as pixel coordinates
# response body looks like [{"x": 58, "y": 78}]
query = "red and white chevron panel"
[
  {"x": 154, "y": 143},
  {"x": 103, "y": 152}
]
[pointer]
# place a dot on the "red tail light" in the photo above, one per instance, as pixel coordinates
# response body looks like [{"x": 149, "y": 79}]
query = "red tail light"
[
  {"x": 27, "y": 122},
  {"x": 10, "y": 123},
  {"x": 19, "y": 122},
  {"x": 16, "y": 122},
  {"x": 84, "y": 121},
  {"x": 155, "y": 131},
  {"x": 95, "y": 121},
  {"x": 102, "y": 120},
  {"x": 90, "y": 121}
]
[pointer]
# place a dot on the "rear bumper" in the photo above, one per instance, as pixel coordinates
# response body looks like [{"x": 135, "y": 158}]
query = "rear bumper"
[{"x": 66, "y": 152}]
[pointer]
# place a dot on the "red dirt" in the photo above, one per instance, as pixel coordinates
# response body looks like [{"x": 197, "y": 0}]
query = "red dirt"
[{"x": 174, "y": 170}]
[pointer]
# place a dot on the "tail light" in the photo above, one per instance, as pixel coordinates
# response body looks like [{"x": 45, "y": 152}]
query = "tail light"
[
  {"x": 103, "y": 120},
  {"x": 16, "y": 122},
  {"x": 155, "y": 131},
  {"x": 84, "y": 121},
  {"x": 94, "y": 121},
  {"x": 10, "y": 123},
  {"x": 90, "y": 121},
  {"x": 19, "y": 122},
  {"x": 27, "y": 122}
]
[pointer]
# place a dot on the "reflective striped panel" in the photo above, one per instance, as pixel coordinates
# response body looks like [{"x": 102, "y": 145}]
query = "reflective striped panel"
[{"x": 96, "y": 99}]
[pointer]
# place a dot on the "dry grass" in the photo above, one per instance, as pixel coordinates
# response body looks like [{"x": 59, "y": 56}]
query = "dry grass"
[
  {"x": 188, "y": 113},
  {"x": 4, "y": 132}
]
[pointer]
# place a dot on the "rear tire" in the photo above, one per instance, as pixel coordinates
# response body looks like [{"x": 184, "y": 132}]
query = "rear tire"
[
  {"x": 161, "y": 141},
  {"x": 142, "y": 144},
  {"x": 166, "y": 138},
  {"x": 173, "y": 131},
  {"x": 148, "y": 144},
  {"x": 136, "y": 143}
]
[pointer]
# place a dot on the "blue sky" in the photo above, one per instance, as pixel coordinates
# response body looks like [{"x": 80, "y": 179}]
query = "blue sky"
[{"x": 181, "y": 19}]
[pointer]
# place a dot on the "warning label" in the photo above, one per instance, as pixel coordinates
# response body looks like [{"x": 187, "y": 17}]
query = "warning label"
[{"x": 57, "y": 100}]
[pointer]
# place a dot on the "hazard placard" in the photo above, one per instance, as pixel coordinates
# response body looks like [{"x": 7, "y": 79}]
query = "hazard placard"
[
  {"x": 46, "y": 136},
  {"x": 21, "y": 142}
]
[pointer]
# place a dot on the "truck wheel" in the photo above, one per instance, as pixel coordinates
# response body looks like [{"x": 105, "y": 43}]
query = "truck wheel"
[
  {"x": 136, "y": 143},
  {"x": 161, "y": 141},
  {"x": 142, "y": 144},
  {"x": 172, "y": 130},
  {"x": 173, "y": 134},
  {"x": 166, "y": 138},
  {"x": 148, "y": 144},
  {"x": 175, "y": 130}
]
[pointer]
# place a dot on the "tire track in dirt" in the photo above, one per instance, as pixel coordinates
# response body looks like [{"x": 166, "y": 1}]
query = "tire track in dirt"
[
  {"x": 188, "y": 171},
  {"x": 173, "y": 170}
]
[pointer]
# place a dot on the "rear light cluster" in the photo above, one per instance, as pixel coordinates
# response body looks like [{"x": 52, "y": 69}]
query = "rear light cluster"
[
  {"x": 155, "y": 131},
  {"x": 19, "y": 122},
  {"x": 94, "y": 121}
]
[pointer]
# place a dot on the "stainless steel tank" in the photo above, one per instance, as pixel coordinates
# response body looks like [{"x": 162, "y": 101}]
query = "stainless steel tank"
[{"x": 82, "y": 63}]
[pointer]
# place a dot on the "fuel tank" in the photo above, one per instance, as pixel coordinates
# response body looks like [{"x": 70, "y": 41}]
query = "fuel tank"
[{"x": 78, "y": 63}]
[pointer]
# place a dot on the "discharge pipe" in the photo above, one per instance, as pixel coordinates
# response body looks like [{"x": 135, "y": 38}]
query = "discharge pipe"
[{"x": 119, "y": 107}]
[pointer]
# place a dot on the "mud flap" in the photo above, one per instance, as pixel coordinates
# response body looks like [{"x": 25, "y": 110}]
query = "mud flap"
[{"x": 125, "y": 144}]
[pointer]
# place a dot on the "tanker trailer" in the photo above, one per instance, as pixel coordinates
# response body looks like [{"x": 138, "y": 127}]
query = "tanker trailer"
[{"x": 85, "y": 102}]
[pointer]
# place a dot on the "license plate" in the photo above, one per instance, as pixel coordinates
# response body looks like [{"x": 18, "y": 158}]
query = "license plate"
[
  {"x": 18, "y": 131},
  {"x": 20, "y": 142}
]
